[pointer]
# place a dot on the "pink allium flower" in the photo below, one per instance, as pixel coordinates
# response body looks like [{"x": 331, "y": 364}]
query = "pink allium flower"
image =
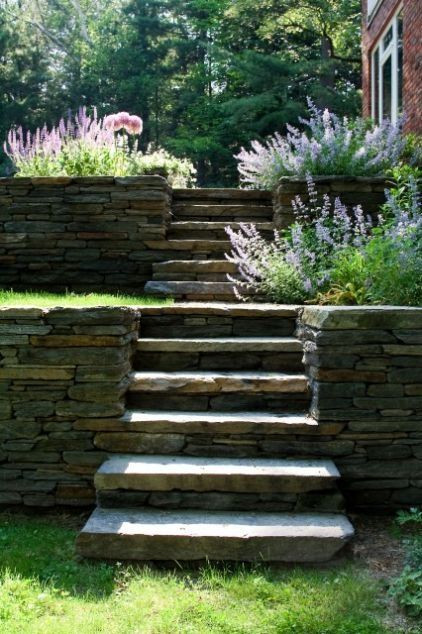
[
  {"x": 135, "y": 126},
  {"x": 109, "y": 122},
  {"x": 122, "y": 120}
]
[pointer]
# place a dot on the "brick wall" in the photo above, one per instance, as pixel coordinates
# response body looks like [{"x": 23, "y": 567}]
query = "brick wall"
[
  {"x": 94, "y": 233},
  {"x": 412, "y": 51}
]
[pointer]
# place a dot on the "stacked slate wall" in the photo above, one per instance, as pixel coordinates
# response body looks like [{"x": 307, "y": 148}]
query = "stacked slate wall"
[
  {"x": 58, "y": 368},
  {"x": 88, "y": 233},
  {"x": 365, "y": 370},
  {"x": 352, "y": 191}
]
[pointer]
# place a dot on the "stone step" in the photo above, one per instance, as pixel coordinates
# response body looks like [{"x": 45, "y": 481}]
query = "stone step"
[
  {"x": 218, "y": 382},
  {"x": 193, "y": 270},
  {"x": 242, "y": 475},
  {"x": 194, "y": 266},
  {"x": 278, "y": 354},
  {"x": 191, "y": 290},
  {"x": 212, "y": 230},
  {"x": 212, "y": 319},
  {"x": 239, "y": 213},
  {"x": 222, "y": 344},
  {"x": 246, "y": 196},
  {"x": 238, "y": 423},
  {"x": 204, "y": 247},
  {"x": 131, "y": 534}
]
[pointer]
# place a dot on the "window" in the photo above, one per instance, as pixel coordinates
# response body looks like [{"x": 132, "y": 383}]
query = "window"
[{"x": 387, "y": 73}]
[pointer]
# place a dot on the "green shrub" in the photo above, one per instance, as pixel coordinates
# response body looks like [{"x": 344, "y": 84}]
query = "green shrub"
[{"x": 179, "y": 172}]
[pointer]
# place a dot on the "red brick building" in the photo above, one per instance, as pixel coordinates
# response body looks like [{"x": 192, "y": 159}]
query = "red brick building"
[{"x": 392, "y": 61}]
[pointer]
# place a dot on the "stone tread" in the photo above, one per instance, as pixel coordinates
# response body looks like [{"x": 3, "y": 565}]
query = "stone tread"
[
  {"x": 218, "y": 382},
  {"x": 241, "y": 475},
  {"x": 213, "y": 193},
  {"x": 202, "y": 246},
  {"x": 131, "y": 534},
  {"x": 221, "y": 344},
  {"x": 194, "y": 266},
  {"x": 175, "y": 422},
  {"x": 224, "y": 309},
  {"x": 196, "y": 225},
  {"x": 157, "y": 287}
]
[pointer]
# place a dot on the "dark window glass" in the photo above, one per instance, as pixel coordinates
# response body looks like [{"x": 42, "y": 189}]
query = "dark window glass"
[
  {"x": 386, "y": 88},
  {"x": 387, "y": 38},
  {"x": 400, "y": 63},
  {"x": 376, "y": 90}
]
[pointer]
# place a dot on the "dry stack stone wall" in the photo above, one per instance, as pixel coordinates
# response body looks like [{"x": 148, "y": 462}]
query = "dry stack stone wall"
[
  {"x": 59, "y": 368},
  {"x": 93, "y": 233},
  {"x": 367, "y": 192},
  {"x": 365, "y": 369}
]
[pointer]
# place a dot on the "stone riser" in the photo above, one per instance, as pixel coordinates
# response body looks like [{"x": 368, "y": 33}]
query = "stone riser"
[
  {"x": 328, "y": 501},
  {"x": 220, "y": 402},
  {"x": 169, "y": 361},
  {"x": 186, "y": 277},
  {"x": 175, "y": 326},
  {"x": 206, "y": 234}
]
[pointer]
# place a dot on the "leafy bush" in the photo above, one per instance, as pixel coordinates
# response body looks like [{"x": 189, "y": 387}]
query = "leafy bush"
[
  {"x": 332, "y": 146},
  {"x": 407, "y": 588},
  {"x": 178, "y": 172},
  {"x": 332, "y": 257},
  {"x": 88, "y": 146}
]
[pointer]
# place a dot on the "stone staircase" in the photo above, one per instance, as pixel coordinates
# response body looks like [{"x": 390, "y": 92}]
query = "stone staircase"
[
  {"x": 197, "y": 233},
  {"x": 200, "y": 467}
]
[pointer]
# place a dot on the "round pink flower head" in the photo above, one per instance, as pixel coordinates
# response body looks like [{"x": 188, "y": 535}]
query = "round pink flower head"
[
  {"x": 122, "y": 120},
  {"x": 135, "y": 125},
  {"x": 110, "y": 122}
]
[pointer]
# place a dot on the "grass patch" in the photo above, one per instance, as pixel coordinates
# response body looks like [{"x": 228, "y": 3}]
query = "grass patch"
[
  {"x": 41, "y": 299},
  {"x": 45, "y": 590}
]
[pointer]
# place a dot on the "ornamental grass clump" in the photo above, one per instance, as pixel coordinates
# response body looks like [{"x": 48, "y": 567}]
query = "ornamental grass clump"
[{"x": 331, "y": 146}]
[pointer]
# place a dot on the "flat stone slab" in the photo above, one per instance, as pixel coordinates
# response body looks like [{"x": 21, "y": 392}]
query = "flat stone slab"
[
  {"x": 194, "y": 266},
  {"x": 235, "y": 475},
  {"x": 224, "y": 309},
  {"x": 218, "y": 382},
  {"x": 217, "y": 422},
  {"x": 157, "y": 287},
  {"x": 197, "y": 225},
  {"x": 130, "y": 534},
  {"x": 222, "y": 344}
]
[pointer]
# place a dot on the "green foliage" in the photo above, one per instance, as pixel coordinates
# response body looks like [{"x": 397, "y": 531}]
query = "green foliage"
[
  {"x": 407, "y": 588},
  {"x": 281, "y": 283},
  {"x": 412, "y": 516},
  {"x": 178, "y": 172},
  {"x": 206, "y": 76}
]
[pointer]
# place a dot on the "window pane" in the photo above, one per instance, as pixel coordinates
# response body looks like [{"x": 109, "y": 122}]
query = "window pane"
[
  {"x": 400, "y": 63},
  {"x": 376, "y": 80},
  {"x": 386, "y": 88},
  {"x": 387, "y": 38}
]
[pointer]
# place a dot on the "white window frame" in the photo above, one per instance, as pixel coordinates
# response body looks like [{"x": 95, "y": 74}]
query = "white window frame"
[{"x": 391, "y": 50}]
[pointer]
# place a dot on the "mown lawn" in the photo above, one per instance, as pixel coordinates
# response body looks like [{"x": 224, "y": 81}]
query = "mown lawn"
[
  {"x": 16, "y": 299},
  {"x": 45, "y": 589}
]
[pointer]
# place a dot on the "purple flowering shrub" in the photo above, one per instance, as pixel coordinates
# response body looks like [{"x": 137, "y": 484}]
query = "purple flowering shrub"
[
  {"x": 84, "y": 145},
  {"x": 332, "y": 146},
  {"x": 297, "y": 264},
  {"x": 332, "y": 256}
]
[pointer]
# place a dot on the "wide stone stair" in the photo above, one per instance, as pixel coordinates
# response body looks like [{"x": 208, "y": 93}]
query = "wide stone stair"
[
  {"x": 197, "y": 236},
  {"x": 196, "y": 467}
]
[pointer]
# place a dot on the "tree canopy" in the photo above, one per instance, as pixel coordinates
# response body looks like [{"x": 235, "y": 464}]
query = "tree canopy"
[{"x": 206, "y": 76}]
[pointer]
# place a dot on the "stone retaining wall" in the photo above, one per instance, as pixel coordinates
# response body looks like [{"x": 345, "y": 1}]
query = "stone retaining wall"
[
  {"x": 368, "y": 192},
  {"x": 93, "y": 233},
  {"x": 57, "y": 368},
  {"x": 365, "y": 369}
]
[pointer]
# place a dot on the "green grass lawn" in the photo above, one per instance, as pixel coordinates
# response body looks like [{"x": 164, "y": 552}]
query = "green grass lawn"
[
  {"x": 40, "y": 299},
  {"x": 45, "y": 589}
]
